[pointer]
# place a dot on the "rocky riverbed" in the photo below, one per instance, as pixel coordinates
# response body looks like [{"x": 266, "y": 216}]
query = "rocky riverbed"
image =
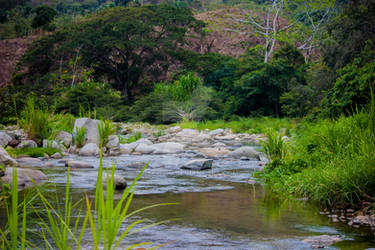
[{"x": 185, "y": 165}]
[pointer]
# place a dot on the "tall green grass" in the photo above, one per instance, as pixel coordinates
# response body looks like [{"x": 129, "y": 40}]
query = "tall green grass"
[
  {"x": 80, "y": 136},
  {"x": 105, "y": 128},
  {"x": 106, "y": 217},
  {"x": 246, "y": 125},
  {"x": 329, "y": 161}
]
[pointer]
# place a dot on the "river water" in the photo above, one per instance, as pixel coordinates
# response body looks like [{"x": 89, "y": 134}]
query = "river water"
[{"x": 217, "y": 209}]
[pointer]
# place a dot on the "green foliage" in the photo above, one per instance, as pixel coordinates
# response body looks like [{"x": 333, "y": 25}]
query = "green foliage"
[
  {"x": 329, "y": 161},
  {"x": 134, "y": 137},
  {"x": 105, "y": 129},
  {"x": 44, "y": 16},
  {"x": 274, "y": 146},
  {"x": 90, "y": 95},
  {"x": 79, "y": 137},
  {"x": 32, "y": 152},
  {"x": 35, "y": 121},
  {"x": 246, "y": 125}
]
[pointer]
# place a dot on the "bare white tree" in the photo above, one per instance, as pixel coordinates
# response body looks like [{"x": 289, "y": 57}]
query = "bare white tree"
[{"x": 270, "y": 29}]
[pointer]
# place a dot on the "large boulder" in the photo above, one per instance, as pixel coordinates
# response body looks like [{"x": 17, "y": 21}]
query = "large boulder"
[
  {"x": 198, "y": 164},
  {"x": 90, "y": 149},
  {"x": 113, "y": 142},
  {"x": 27, "y": 144},
  {"x": 92, "y": 131},
  {"x": 145, "y": 149},
  {"x": 246, "y": 151},
  {"x": 64, "y": 138},
  {"x": 5, "y": 159},
  {"x": 168, "y": 148},
  {"x": 25, "y": 177},
  {"x": 119, "y": 182},
  {"x": 78, "y": 164},
  {"x": 4, "y": 139}
]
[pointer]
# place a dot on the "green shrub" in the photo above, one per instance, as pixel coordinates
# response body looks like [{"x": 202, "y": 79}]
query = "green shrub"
[
  {"x": 105, "y": 128},
  {"x": 274, "y": 146},
  {"x": 134, "y": 138},
  {"x": 35, "y": 121},
  {"x": 79, "y": 137}
]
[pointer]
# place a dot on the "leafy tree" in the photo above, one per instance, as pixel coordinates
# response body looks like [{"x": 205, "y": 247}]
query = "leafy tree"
[{"x": 44, "y": 15}]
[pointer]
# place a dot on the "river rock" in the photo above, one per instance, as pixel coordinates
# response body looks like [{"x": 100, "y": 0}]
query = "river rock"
[
  {"x": 25, "y": 162},
  {"x": 14, "y": 143},
  {"x": 64, "y": 138},
  {"x": 246, "y": 151},
  {"x": 92, "y": 131},
  {"x": 25, "y": 177},
  {"x": 113, "y": 142},
  {"x": 118, "y": 182},
  {"x": 90, "y": 149},
  {"x": 219, "y": 145},
  {"x": 215, "y": 151},
  {"x": 56, "y": 156},
  {"x": 78, "y": 164},
  {"x": 188, "y": 133},
  {"x": 168, "y": 148},
  {"x": 201, "y": 137},
  {"x": 5, "y": 159},
  {"x": 144, "y": 141},
  {"x": 226, "y": 137},
  {"x": 27, "y": 144},
  {"x": 4, "y": 139},
  {"x": 145, "y": 149},
  {"x": 126, "y": 148},
  {"x": 216, "y": 132},
  {"x": 322, "y": 241},
  {"x": 173, "y": 130},
  {"x": 198, "y": 164}
]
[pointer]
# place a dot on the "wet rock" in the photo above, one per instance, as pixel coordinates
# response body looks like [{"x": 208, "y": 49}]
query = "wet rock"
[
  {"x": 48, "y": 165},
  {"x": 136, "y": 165},
  {"x": 168, "y": 148},
  {"x": 14, "y": 143},
  {"x": 214, "y": 151},
  {"x": 5, "y": 159},
  {"x": 322, "y": 241},
  {"x": 198, "y": 164},
  {"x": 173, "y": 130},
  {"x": 25, "y": 162},
  {"x": 92, "y": 132},
  {"x": 90, "y": 149},
  {"x": 25, "y": 177},
  {"x": 64, "y": 138},
  {"x": 113, "y": 142},
  {"x": 114, "y": 152},
  {"x": 248, "y": 152},
  {"x": 4, "y": 139},
  {"x": 27, "y": 144},
  {"x": 119, "y": 182},
  {"x": 216, "y": 132},
  {"x": 145, "y": 149},
  {"x": 78, "y": 164}
]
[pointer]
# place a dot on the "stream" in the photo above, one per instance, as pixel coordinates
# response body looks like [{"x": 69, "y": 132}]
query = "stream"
[{"x": 217, "y": 209}]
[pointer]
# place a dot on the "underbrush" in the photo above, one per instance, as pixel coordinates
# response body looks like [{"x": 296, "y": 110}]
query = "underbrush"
[
  {"x": 32, "y": 152},
  {"x": 246, "y": 125},
  {"x": 330, "y": 161}
]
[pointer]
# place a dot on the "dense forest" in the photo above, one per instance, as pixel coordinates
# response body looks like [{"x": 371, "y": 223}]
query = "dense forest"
[{"x": 305, "y": 69}]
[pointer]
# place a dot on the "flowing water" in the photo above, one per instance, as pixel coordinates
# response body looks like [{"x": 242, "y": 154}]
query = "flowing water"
[{"x": 217, "y": 209}]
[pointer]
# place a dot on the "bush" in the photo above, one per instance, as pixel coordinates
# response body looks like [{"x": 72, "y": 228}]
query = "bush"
[
  {"x": 80, "y": 136},
  {"x": 35, "y": 121},
  {"x": 105, "y": 128},
  {"x": 32, "y": 152}
]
